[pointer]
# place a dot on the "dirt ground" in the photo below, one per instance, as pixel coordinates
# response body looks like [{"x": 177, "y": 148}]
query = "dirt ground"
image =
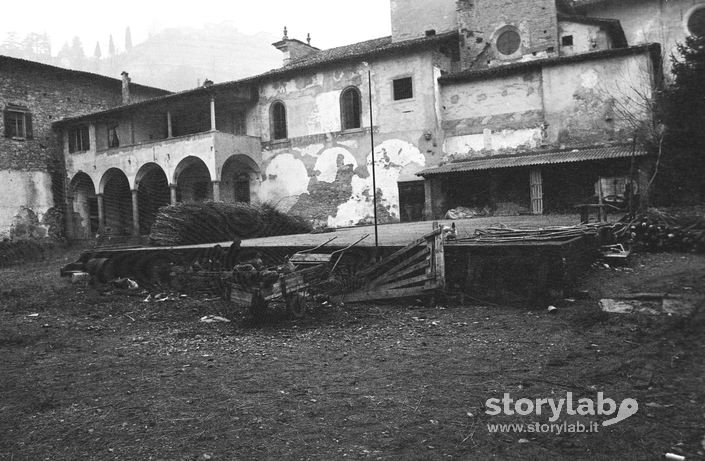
[{"x": 86, "y": 374}]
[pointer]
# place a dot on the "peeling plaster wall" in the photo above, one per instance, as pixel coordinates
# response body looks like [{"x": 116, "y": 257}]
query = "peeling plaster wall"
[
  {"x": 583, "y": 101},
  {"x": 560, "y": 105},
  {"x": 323, "y": 173},
  {"x": 648, "y": 21},
  {"x": 23, "y": 190},
  {"x": 586, "y": 38}
]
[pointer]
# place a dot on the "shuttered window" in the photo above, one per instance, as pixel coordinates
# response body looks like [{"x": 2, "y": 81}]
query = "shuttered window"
[
  {"x": 79, "y": 140},
  {"x": 18, "y": 123}
]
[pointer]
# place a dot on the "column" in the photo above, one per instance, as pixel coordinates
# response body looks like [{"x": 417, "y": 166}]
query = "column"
[
  {"x": 169, "y": 133},
  {"x": 101, "y": 212},
  {"x": 135, "y": 215},
  {"x": 428, "y": 200},
  {"x": 69, "y": 216},
  {"x": 536, "y": 190},
  {"x": 216, "y": 191},
  {"x": 212, "y": 113},
  {"x": 172, "y": 191}
]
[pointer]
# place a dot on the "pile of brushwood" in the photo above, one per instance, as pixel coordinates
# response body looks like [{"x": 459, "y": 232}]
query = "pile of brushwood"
[
  {"x": 211, "y": 222},
  {"x": 657, "y": 230}
]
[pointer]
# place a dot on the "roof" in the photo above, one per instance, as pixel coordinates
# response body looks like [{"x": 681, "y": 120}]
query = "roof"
[
  {"x": 357, "y": 51},
  {"x": 366, "y": 49},
  {"x": 544, "y": 158},
  {"x": 506, "y": 69},
  {"x": 62, "y": 70},
  {"x": 613, "y": 26}
]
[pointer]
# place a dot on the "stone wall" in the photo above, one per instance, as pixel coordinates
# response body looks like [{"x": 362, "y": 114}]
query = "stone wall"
[
  {"x": 49, "y": 94},
  {"x": 413, "y": 18},
  {"x": 482, "y": 22}
]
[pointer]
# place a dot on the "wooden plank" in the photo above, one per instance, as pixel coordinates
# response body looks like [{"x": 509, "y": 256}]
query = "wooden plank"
[
  {"x": 402, "y": 273},
  {"x": 372, "y": 295},
  {"x": 240, "y": 298},
  {"x": 399, "y": 252},
  {"x": 402, "y": 265},
  {"x": 402, "y": 283},
  {"x": 311, "y": 258}
]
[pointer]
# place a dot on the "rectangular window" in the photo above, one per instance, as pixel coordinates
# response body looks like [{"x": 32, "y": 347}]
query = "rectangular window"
[
  {"x": 403, "y": 88},
  {"x": 18, "y": 123},
  {"x": 79, "y": 140},
  {"x": 567, "y": 40},
  {"x": 113, "y": 139},
  {"x": 239, "y": 124}
]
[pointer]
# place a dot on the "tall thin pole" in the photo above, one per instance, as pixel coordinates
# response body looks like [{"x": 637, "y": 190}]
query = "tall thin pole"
[{"x": 372, "y": 147}]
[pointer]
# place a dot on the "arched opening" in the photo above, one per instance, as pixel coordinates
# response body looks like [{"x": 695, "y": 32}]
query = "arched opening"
[
  {"x": 193, "y": 180},
  {"x": 350, "y": 108},
  {"x": 152, "y": 193},
  {"x": 277, "y": 120},
  {"x": 239, "y": 180},
  {"x": 84, "y": 207},
  {"x": 117, "y": 202}
]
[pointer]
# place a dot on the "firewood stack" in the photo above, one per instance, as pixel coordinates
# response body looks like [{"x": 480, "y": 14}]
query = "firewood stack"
[{"x": 656, "y": 230}]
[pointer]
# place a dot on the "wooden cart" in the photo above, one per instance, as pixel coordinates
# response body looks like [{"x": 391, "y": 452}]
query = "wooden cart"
[{"x": 295, "y": 281}]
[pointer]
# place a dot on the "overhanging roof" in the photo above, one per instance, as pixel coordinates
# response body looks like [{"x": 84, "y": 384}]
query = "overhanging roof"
[{"x": 544, "y": 158}]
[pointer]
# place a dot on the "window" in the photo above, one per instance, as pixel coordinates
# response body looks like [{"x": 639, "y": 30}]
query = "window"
[
  {"x": 403, "y": 88},
  {"x": 78, "y": 139},
  {"x": 18, "y": 123},
  {"x": 113, "y": 140},
  {"x": 350, "y": 108},
  {"x": 277, "y": 117},
  {"x": 567, "y": 40},
  {"x": 508, "y": 41},
  {"x": 239, "y": 124},
  {"x": 695, "y": 21}
]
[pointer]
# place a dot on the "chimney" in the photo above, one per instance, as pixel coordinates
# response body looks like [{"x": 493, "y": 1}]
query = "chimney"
[
  {"x": 294, "y": 49},
  {"x": 125, "y": 87}
]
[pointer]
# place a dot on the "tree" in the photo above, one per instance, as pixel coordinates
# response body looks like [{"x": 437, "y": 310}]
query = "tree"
[
  {"x": 111, "y": 47},
  {"x": 97, "y": 54},
  {"x": 128, "y": 40},
  {"x": 683, "y": 113}
]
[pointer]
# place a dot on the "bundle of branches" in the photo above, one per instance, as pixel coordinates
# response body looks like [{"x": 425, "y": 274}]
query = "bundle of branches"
[
  {"x": 657, "y": 230},
  {"x": 504, "y": 234},
  {"x": 210, "y": 222}
]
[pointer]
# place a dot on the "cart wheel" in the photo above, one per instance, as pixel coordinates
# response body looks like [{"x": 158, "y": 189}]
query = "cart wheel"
[
  {"x": 296, "y": 305},
  {"x": 258, "y": 306}
]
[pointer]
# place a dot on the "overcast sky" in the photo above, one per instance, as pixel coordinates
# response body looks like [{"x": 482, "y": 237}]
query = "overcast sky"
[{"x": 330, "y": 22}]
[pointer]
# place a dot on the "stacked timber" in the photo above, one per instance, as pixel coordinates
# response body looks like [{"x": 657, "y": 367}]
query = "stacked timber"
[
  {"x": 212, "y": 222},
  {"x": 502, "y": 234}
]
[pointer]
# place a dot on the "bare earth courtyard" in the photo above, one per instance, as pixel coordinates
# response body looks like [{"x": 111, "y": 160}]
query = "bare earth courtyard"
[{"x": 89, "y": 374}]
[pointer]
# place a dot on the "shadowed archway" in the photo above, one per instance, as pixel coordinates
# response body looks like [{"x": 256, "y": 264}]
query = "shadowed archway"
[{"x": 152, "y": 193}]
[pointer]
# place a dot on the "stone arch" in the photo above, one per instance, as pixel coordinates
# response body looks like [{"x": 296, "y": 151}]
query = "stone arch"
[
  {"x": 240, "y": 179},
  {"x": 84, "y": 206},
  {"x": 117, "y": 202},
  {"x": 153, "y": 193},
  {"x": 193, "y": 180}
]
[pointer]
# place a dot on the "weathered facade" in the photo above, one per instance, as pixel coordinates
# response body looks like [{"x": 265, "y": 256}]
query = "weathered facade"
[
  {"x": 512, "y": 106},
  {"x": 33, "y": 96}
]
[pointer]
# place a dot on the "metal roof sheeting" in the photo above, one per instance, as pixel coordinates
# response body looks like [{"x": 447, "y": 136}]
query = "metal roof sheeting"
[{"x": 545, "y": 158}]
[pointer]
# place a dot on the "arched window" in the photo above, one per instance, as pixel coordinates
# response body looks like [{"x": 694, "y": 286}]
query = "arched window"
[
  {"x": 350, "y": 108},
  {"x": 277, "y": 117}
]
